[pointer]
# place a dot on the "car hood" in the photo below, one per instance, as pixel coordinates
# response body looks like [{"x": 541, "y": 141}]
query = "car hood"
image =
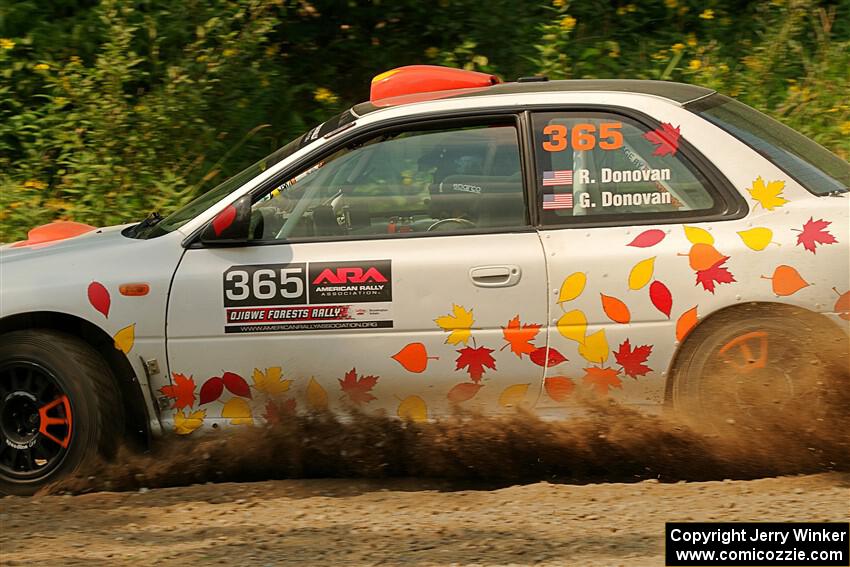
[{"x": 93, "y": 241}]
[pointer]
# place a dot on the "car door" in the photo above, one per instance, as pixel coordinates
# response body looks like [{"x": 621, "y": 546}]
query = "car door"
[
  {"x": 627, "y": 209},
  {"x": 387, "y": 274}
]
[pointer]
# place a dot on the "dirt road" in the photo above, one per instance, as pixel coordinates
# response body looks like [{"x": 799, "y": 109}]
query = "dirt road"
[{"x": 395, "y": 522}]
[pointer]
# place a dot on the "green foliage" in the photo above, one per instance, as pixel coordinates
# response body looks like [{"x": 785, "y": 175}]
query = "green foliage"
[{"x": 112, "y": 108}]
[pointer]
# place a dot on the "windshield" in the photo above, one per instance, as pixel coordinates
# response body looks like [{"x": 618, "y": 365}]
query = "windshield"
[
  {"x": 200, "y": 204},
  {"x": 810, "y": 164}
]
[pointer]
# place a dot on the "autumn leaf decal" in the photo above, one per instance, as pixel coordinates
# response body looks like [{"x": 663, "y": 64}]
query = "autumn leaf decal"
[
  {"x": 99, "y": 297},
  {"x": 559, "y": 388},
  {"x": 463, "y": 392},
  {"x": 458, "y": 324},
  {"x": 647, "y": 238},
  {"x": 270, "y": 382},
  {"x": 413, "y": 357},
  {"x": 707, "y": 262},
  {"x": 182, "y": 391},
  {"x": 632, "y": 359},
  {"x": 666, "y": 139},
  {"x": 547, "y": 357},
  {"x": 814, "y": 232},
  {"x": 786, "y": 281},
  {"x": 357, "y": 389},
  {"x": 519, "y": 336},
  {"x": 475, "y": 360},
  {"x": 277, "y": 411},
  {"x": 842, "y": 304},
  {"x": 186, "y": 424},
  {"x": 717, "y": 273},
  {"x": 602, "y": 379},
  {"x": 768, "y": 195}
]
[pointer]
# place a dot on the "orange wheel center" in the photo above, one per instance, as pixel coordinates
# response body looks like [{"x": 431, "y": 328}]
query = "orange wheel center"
[
  {"x": 746, "y": 353},
  {"x": 63, "y": 420}
]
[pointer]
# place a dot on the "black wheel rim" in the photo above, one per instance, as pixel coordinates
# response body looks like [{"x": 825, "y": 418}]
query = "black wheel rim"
[{"x": 36, "y": 424}]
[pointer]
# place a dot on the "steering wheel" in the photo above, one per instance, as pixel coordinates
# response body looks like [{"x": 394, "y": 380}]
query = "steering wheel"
[{"x": 443, "y": 222}]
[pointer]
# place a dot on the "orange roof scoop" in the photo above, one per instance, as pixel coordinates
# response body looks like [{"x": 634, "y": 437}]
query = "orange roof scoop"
[{"x": 413, "y": 79}]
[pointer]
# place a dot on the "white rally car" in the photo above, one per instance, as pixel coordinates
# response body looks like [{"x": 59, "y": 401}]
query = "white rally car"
[{"x": 453, "y": 241}]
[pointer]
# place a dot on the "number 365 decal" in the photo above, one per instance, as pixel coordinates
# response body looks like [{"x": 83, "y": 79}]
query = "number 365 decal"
[
  {"x": 273, "y": 284},
  {"x": 583, "y": 137}
]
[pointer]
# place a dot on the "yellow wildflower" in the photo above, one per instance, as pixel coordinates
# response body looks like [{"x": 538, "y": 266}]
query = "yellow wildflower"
[
  {"x": 695, "y": 64},
  {"x": 631, "y": 8},
  {"x": 229, "y": 52},
  {"x": 6, "y": 43},
  {"x": 677, "y": 47},
  {"x": 692, "y": 40},
  {"x": 15, "y": 205},
  {"x": 568, "y": 23},
  {"x": 559, "y": 3},
  {"x": 845, "y": 128},
  {"x": 42, "y": 67},
  {"x": 432, "y": 52},
  {"x": 671, "y": 4},
  {"x": 707, "y": 14},
  {"x": 34, "y": 184},
  {"x": 621, "y": 10},
  {"x": 324, "y": 95}
]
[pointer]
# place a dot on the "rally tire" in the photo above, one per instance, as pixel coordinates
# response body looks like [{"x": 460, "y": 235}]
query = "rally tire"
[
  {"x": 753, "y": 365},
  {"x": 78, "y": 375}
]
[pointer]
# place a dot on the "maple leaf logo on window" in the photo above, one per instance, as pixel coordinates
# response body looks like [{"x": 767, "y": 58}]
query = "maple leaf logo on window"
[
  {"x": 474, "y": 360},
  {"x": 358, "y": 389},
  {"x": 814, "y": 232},
  {"x": 666, "y": 139}
]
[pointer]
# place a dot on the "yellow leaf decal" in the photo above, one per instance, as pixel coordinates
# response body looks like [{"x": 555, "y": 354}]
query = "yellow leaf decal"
[
  {"x": 572, "y": 325},
  {"x": 125, "y": 338},
  {"x": 238, "y": 412},
  {"x": 698, "y": 235},
  {"x": 317, "y": 398},
  {"x": 269, "y": 382},
  {"x": 513, "y": 396},
  {"x": 184, "y": 425},
  {"x": 458, "y": 323},
  {"x": 756, "y": 238},
  {"x": 595, "y": 347},
  {"x": 641, "y": 273},
  {"x": 413, "y": 408},
  {"x": 768, "y": 195},
  {"x": 572, "y": 287}
]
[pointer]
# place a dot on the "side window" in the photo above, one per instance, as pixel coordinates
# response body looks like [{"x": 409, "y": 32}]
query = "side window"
[
  {"x": 611, "y": 167},
  {"x": 402, "y": 182}
]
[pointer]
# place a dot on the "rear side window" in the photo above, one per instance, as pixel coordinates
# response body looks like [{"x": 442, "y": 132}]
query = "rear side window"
[
  {"x": 609, "y": 167},
  {"x": 810, "y": 164}
]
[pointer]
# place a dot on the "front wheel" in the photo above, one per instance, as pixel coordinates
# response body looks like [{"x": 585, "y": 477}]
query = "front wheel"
[
  {"x": 758, "y": 366},
  {"x": 59, "y": 407}
]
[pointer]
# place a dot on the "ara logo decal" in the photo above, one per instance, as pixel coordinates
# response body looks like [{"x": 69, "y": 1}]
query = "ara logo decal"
[
  {"x": 351, "y": 282},
  {"x": 350, "y": 275}
]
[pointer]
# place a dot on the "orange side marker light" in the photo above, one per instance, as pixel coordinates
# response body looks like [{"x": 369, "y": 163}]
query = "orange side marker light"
[{"x": 134, "y": 289}]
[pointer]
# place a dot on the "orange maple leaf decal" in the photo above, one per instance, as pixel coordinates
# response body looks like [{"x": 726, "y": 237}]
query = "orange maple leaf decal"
[
  {"x": 277, "y": 411},
  {"x": 475, "y": 359},
  {"x": 358, "y": 389},
  {"x": 814, "y": 233},
  {"x": 666, "y": 138},
  {"x": 182, "y": 391},
  {"x": 519, "y": 337},
  {"x": 717, "y": 273},
  {"x": 632, "y": 359},
  {"x": 602, "y": 379}
]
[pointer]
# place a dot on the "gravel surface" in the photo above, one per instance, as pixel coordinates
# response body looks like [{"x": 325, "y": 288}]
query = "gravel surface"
[{"x": 395, "y": 522}]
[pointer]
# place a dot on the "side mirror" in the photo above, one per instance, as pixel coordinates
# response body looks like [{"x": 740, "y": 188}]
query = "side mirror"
[{"x": 231, "y": 226}]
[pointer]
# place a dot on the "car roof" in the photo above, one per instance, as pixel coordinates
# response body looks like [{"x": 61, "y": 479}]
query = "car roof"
[{"x": 679, "y": 93}]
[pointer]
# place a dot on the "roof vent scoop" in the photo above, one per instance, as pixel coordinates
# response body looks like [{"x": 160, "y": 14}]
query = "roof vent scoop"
[{"x": 414, "y": 79}]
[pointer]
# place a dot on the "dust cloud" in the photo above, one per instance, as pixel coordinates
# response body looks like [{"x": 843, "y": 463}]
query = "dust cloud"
[{"x": 607, "y": 443}]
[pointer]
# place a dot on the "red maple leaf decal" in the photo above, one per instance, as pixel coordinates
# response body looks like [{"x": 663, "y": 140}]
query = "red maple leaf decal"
[
  {"x": 182, "y": 391},
  {"x": 814, "y": 233},
  {"x": 666, "y": 138},
  {"x": 276, "y": 411},
  {"x": 475, "y": 359},
  {"x": 602, "y": 379},
  {"x": 717, "y": 273},
  {"x": 358, "y": 389},
  {"x": 540, "y": 357},
  {"x": 632, "y": 359}
]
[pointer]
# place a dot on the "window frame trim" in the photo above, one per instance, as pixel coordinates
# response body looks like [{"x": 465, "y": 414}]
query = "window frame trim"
[
  {"x": 427, "y": 121},
  {"x": 733, "y": 205}
]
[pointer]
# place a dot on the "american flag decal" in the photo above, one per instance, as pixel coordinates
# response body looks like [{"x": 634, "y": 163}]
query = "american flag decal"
[
  {"x": 558, "y": 177},
  {"x": 560, "y": 201}
]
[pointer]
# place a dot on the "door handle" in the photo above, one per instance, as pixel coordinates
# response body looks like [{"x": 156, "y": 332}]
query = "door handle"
[{"x": 495, "y": 276}]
